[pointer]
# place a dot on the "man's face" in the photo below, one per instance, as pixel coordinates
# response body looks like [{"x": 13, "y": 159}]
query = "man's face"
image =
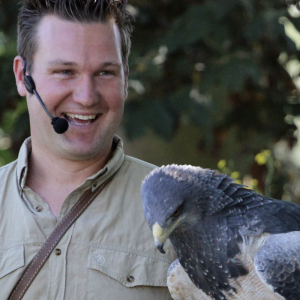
[{"x": 79, "y": 75}]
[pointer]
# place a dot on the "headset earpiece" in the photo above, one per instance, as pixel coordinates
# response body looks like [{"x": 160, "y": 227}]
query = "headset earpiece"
[{"x": 28, "y": 81}]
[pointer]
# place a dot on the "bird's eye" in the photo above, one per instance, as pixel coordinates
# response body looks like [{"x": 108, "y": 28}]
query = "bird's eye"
[{"x": 177, "y": 212}]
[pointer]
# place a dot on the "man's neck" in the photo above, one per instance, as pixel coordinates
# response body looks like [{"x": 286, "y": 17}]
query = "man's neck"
[{"x": 53, "y": 178}]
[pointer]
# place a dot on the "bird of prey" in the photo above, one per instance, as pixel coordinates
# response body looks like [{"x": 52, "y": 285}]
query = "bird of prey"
[{"x": 231, "y": 242}]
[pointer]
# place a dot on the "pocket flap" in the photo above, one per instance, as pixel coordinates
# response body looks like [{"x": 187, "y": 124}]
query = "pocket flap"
[
  {"x": 128, "y": 268},
  {"x": 11, "y": 260}
]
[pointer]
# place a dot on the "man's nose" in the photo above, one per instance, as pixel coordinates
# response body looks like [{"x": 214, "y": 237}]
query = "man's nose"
[{"x": 85, "y": 91}]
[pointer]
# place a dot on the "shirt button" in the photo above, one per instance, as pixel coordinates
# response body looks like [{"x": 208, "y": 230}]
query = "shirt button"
[
  {"x": 57, "y": 252},
  {"x": 130, "y": 279},
  {"x": 38, "y": 208}
]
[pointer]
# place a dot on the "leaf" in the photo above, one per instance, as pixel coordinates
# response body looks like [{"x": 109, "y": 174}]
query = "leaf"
[
  {"x": 139, "y": 116},
  {"x": 293, "y": 109},
  {"x": 194, "y": 25},
  {"x": 199, "y": 115},
  {"x": 266, "y": 24},
  {"x": 178, "y": 102},
  {"x": 231, "y": 73},
  {"x": 221, "y": 8},
  {"x": 296, "y": 23}
]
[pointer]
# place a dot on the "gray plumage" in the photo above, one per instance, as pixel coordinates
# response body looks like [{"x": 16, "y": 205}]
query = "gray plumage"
[{"x": 214, "y": 224}]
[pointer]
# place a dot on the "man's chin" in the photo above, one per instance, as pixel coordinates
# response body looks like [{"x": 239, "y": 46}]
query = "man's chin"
[{"x": 85, "y": 151}]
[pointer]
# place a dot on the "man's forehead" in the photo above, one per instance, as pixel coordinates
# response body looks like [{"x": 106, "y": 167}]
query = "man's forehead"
[
  {"x": 59, "y": 35},
  {"x": 55, "y": 28},
  {"x": 51, "y": 20}
]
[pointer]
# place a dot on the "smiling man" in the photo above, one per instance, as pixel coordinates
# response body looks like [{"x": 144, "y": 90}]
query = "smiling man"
[{"x": 76, "y": 52}]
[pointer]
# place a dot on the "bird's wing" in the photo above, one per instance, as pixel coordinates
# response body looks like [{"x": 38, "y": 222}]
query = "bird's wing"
[
  {"x": 180, "y": 285},
  {"x": 277, "y": 263},
  {"x": 252, "y": 212}
]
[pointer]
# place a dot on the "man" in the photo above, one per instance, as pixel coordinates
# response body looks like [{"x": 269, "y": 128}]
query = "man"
[{"x": 76, "y": 52}]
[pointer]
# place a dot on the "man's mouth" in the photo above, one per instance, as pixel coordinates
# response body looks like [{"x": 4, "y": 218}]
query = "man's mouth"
[{"x": 80, "y": 119}]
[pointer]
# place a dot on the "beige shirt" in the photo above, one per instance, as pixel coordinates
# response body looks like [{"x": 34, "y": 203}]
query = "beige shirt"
[{"x": 108, "y": 253}]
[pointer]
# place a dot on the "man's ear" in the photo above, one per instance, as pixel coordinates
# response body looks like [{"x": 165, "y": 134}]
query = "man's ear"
[
  {"x": 18, "y": 70},
  {"x": 126, "y": 74}
]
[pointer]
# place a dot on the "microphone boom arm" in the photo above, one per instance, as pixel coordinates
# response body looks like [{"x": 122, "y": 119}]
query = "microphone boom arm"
[{"x": 42, "y": 103}]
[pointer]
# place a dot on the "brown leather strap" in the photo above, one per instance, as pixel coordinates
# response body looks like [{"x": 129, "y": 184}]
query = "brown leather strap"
[{"x": 39, "y": 260}]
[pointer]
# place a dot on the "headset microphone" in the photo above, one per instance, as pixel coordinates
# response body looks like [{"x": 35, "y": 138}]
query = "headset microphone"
[{"x": 60, "y": 125}]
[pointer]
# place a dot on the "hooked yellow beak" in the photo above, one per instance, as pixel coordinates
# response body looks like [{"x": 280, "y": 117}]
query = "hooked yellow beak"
[{"x": 160, "y": 236}]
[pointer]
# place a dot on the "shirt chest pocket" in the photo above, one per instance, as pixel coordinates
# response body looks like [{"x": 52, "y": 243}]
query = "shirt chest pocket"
[
  {"x": 11, "y": 260},
  {"x": 11, "y": 267},
  {"x": 124, "y": 275}
]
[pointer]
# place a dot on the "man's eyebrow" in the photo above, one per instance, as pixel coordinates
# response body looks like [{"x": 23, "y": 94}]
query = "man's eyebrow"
[
  {"x": 61, "y": 62},
  {"x": 116, "y": 66},
  {"x": 111, "y": 63},
  {"x": 73, "y": 64}
]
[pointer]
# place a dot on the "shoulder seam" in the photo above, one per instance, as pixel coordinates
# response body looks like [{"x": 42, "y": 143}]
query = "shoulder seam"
[
  {"x": 7, "y": 165},
  {"x": 145, "y": 164}
]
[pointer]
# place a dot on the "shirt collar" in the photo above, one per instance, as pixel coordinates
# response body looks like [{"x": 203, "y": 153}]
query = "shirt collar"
[
  {"x": 111, "y": 167},
  {"x": 22, "y": 166},
  {"x": 108, "y": 170}
]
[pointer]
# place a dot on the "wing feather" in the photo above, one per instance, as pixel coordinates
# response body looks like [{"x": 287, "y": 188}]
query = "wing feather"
[{"x": 278, "y": 264}]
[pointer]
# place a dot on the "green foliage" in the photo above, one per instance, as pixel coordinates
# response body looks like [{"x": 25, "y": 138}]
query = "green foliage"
[
  {"x": 230, "y": 46},
  {"x": 214, "y": 64}
]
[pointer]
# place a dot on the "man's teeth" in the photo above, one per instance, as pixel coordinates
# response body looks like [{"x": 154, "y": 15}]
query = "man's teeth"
[{"x": 81, "y": 117}]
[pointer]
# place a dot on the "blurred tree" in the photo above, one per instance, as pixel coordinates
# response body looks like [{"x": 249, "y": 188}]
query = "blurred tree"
[
  {"x": 219, "y": 65},
  {"x": 14, "y": 121},
  {"x": 293, "y": 2}
]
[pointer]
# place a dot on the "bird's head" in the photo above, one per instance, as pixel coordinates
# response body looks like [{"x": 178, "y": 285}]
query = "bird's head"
[{"x": 169, "y": 200}]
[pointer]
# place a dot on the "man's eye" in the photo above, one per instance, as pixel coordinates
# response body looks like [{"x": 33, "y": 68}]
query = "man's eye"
[
  {"x": 66, "y": 72},
  {"x": 63, "y": 72},
  {"x": 105, "y": 73}
]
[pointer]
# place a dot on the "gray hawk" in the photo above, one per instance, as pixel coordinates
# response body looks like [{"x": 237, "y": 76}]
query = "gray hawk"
[{"x": 231, "y": 242}]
